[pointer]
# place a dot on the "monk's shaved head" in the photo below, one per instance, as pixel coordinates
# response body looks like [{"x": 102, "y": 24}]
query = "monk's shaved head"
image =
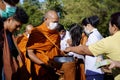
[
  {"x": 51, "y": 17},
  {"x": 29, "y": 28},
  {"x": 51, "y": 14}
]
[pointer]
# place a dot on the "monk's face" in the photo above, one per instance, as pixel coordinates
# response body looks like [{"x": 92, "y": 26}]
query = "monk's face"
[
  {"x": 52, "y": 21},
  {"x": 12, "y": 25}
]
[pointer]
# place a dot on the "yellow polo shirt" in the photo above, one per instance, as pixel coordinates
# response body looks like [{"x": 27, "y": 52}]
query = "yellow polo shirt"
[{"x": 109, "y": 46}]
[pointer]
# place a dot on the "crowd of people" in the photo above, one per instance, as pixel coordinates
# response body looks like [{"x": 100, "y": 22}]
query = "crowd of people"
[
  {"x": 107, "y": 46},
  {"x": 31, "y": 55}
]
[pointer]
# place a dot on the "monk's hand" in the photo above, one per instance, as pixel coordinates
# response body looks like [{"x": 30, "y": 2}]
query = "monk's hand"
[
  {"x": 44, "y": 65},
  {"x": 48, "y": 66},
  {"x": 63, "y": 53},
  {"x": 51, "y": 64}
]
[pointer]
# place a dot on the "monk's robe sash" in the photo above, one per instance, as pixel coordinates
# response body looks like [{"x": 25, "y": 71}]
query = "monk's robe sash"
[{"x": 42, "y": 47}]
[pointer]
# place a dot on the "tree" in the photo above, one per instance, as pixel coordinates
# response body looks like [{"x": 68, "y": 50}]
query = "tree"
[
  {"x": 105, "y": 9},
  {"x": 73, "y": 11},
  {"x": 33, "y": 2},
  {"x": 76, "y": 10},
  {"x": 33, "y": 11},
  {"x": 53, "y": 5}
]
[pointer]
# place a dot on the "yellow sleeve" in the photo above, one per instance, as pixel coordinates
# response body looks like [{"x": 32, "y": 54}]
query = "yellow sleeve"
[{"x": 98, "y": 47}]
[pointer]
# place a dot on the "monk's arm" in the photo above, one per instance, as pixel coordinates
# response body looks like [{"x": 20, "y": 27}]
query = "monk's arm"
[
  {"x": 83, "y": 50},
  {"x": 34, "y": 58}
]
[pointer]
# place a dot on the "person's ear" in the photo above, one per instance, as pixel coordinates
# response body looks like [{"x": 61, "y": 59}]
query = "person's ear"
[
  {"x": 45, "y": 19},
  {"x": 10, "y": 18},
  {"x": 115, "y": 28},
  {"x": 88, "y": 25},
  {"x": 62, "y": 31}
]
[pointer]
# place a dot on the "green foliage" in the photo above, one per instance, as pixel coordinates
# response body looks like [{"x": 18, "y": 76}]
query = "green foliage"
[
  {"x": 78, "y": 9},
  {"x": 106, "y": 8},
  {"x": 73, "y": 11},
  {"x": 35, "y": 14}
]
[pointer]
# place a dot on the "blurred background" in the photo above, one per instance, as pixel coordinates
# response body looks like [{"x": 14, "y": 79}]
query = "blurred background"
[{"x": 71, "y": 11}]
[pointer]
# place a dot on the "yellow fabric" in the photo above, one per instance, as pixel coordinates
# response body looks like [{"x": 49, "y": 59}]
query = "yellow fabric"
[
  {"x": 109, "y": 46},
  {"x": 117, "y": 78},
  {"x": 44, "y": 49}
]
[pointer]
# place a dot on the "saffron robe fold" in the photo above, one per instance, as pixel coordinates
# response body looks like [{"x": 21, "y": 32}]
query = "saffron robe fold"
[
  {"x": 42, "y": 47},
  {"x": 83, "y": 39},
  {"x": 81, "y": 62},
  {"x": 21, "y": 43}
]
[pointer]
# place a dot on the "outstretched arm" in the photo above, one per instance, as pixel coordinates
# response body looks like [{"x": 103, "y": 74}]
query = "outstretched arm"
[{"x": 83, "y": 50}]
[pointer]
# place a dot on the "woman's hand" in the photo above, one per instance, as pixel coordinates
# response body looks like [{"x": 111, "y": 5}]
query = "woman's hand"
[
  {"x": 68, "y": 49},
  {"x": 114, "y": 64}
]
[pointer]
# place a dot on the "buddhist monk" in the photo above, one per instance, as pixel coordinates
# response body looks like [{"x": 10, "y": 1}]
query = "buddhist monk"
[
  {"x": 42, "y": 46},
  {"x": 11, "y": 57},
  {"x": 22, "y": 39},
  {"x": 21, "y": 42}
]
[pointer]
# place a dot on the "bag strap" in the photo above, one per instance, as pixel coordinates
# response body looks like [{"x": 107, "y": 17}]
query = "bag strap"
[{"x": 54, "y": 44}]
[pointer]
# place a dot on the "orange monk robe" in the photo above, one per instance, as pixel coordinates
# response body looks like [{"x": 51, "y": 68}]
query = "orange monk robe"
[
  {"x": 21, "y": 43},
  {"x": 42, "y": 47},
  {"x": 82, "y": 66},
  {"x": 84, "y": 39}
]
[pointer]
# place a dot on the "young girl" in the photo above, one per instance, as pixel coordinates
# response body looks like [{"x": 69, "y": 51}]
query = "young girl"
[{"x": 90, "y": 28}]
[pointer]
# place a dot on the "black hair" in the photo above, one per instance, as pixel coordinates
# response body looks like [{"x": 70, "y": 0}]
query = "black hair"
[
  {"x": 12, "y": 2},
  {"x": 20, "y": 15},
  {"x": 1, "y": 23},
  {"x": 76, "y": 34},
  {"x": 93, "y": 20},
  {"x": 115, "y": 19},
  {"x": 60, "y": 27}
]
